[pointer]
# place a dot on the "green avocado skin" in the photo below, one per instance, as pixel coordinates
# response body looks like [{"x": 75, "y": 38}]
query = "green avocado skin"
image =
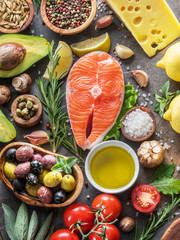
[
  {"x": 7, "y": 129},
  {"x": 36, "y": 49}
]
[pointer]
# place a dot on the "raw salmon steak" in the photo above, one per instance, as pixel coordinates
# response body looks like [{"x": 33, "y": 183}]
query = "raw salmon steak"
[{"x": 94, "y": 94}]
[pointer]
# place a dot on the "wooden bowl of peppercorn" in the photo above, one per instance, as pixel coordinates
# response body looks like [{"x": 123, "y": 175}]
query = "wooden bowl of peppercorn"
[
  {"x": 21, "y": 17},
  {"x": 68, "y": 17},
  {"x": 20, "y": 119}
]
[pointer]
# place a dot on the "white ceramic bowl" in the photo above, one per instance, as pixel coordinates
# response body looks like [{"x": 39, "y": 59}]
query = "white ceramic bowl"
[{"x": 107, "y": 144}]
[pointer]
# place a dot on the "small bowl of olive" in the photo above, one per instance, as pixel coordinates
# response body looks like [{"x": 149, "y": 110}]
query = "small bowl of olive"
[{"x": 26, "y": 110}]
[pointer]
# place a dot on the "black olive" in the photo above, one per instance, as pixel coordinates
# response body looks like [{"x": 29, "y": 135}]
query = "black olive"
[
  {"x": 19, "y": 184},
  {"x": 32, "y": 179},
  {"x": 36, "y": 167},
  {"x": 60, "y": 196},
  {"x": 11, "y": 155}
]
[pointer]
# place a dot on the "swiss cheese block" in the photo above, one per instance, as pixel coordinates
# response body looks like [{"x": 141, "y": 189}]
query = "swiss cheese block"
[{"x": 151, "y": 22}]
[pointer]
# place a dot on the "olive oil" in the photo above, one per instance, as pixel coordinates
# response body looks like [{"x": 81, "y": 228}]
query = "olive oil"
[{"x": 112, "y": 167}]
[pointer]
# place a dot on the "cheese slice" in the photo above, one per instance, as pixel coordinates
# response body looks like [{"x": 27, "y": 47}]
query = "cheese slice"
[{"x": 151, "y": 22}]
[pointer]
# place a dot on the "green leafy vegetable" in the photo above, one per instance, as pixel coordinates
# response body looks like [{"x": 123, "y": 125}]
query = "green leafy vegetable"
[
  {"x": 45, "y": 227},
  {"x": 156, "y": 221},
  {"x": 50, "y": 232},
  {"x": 165, "y": 170},
  {"x": 21, "y": 224},
  {"x": 130, "y": 99},
  {"x": 10, "y": 219},
  {"x": 163, "y": 102},
  {"x": 167, "y": 185},
  {"x": 33, "y": 225},
  {"x": 64, "y": 165}
]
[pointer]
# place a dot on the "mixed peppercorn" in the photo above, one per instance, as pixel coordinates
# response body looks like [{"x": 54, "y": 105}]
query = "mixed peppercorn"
[{"x": 68, "y": 14}]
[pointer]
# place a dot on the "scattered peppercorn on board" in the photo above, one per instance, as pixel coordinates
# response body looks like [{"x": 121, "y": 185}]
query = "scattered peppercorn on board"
[{"x": 157, "y": 77}]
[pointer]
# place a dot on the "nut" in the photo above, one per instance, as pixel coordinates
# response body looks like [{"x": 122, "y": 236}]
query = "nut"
[
  {"x": 4, "y": 94},
  {"x": 127, "y": 224}
]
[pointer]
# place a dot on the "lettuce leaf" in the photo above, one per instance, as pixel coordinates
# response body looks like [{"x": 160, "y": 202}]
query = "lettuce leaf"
[{"x": 130, "y": 99}]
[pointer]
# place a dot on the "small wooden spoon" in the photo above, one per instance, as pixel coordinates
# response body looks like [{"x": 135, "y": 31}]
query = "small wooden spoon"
[
  {"x": 173, "y": 231},
  {"x": 32, "y": 121}
]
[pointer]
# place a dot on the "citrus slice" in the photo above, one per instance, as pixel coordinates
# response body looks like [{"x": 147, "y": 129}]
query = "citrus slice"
[
  {"x": 101, "y": 43},
  {"x": 65, "y": 61}
]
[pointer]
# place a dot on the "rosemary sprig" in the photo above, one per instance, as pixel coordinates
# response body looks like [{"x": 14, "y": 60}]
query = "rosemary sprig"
[
  {"x": 37, "y": 3},
  {"x": 156, "y": 221},
  {"x": 52, "y": 100}
]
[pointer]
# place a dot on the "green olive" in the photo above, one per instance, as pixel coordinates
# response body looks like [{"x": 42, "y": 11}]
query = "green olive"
[
  {"x": 68, "y": 183},
  {"x": 52, "y": 179},
  {"x": 42, "y": 175},
  {"x": 9, "y": 170},
  {"x": 32, "y": 190}
]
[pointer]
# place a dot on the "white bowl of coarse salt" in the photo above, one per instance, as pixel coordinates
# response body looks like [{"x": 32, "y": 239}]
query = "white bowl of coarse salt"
[{"x": 138, "y": 124}]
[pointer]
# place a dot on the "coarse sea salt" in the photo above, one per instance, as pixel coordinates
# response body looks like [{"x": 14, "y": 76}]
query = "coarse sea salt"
[{"x": 138, "y": 124}]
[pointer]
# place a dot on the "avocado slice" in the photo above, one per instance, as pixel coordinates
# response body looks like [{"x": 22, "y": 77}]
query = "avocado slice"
[
  {"x": 36, "y": 48},
  {"x": 7, "y": 130}
]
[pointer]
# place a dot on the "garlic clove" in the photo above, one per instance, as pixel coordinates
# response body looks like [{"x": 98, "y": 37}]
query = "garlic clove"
[
  {"x": 123, "y": 52},
  {"x": 141, "y": 77},
  {"x": 38, "y": 137},
  {"x": 104, "y": 22},
  {"x": 146, "y": 144},
  {"x": 156, "y": 149}
]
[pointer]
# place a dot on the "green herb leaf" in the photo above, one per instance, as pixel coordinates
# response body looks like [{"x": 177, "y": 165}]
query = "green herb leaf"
[
  {"x": 130, "y": 99},
  {"x": 10, "y": 219},
  {"x": 21, "y": 224},
  {"x": 50, "y": 232},
  {"x": 64, "y": 165},
  {"x": 165, "y": 89},
  {"x": 45, "y": 227},
  {"x": 165, "y": 170},
  {"x": 167, "y": 185},
  {"x": 33, "y": 225}
]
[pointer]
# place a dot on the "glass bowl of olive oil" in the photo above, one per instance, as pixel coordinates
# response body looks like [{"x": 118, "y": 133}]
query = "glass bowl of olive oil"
[{"x": 112, "y": 167}]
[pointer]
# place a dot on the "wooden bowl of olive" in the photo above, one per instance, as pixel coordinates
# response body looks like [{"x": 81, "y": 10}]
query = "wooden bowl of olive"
[{"x": 26, "y": 110}]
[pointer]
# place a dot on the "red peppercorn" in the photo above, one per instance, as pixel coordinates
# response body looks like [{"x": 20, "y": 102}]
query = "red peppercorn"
[
  {"x": 57, "y": 21},
  {"x": 50, "y": 19},
  {"x": 48, "y": 125},
  {"x": 77, "y": 8},
  {"x": 78, "y": 25},
  {"x": 60, "y": 8},
  {"x": 128, "y": 36},
  {"x": 118, "y": 28},
  {"x": 64, "y": 9}
]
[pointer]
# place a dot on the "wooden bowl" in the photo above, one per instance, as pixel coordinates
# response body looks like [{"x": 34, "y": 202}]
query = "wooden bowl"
[
  {"x": 32, "y": 121},
  {"x": 68, "y": 31},
  {"x": 26, "y": 24},
  {"x": 149, "y": 134},
  {"x": 77, "y": 173}
]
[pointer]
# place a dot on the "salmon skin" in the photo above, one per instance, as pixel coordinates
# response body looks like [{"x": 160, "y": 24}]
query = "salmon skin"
[{"x": 94, "y": 95}]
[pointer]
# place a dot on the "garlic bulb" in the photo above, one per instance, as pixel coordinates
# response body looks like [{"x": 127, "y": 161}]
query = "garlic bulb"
[
  {"x": 150, "y": 154},
  {"x": 123, "y": 52}
]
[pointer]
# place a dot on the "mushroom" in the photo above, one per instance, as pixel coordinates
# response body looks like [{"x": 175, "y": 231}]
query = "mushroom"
[
  {"x": 150, "y": 154},
  {"x": 22, "y": 83},
  {"x": 4, "y": 94},
  {"x": 127, "y": 224}
]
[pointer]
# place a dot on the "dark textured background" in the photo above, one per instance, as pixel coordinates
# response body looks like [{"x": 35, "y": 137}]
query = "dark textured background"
[{"x": 157, "y": 77}]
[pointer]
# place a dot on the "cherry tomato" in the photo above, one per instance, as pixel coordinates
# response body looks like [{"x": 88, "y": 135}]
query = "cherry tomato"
[
  {"x": 112, "y": 206},
  {"x": 79, "y": 212},
  {"x": 64, "y": 234},
  {"x": 112, "y": 233},
  {"x": 145, "y": 198}
]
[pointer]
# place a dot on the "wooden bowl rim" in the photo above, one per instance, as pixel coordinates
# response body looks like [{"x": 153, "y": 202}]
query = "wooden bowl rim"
[
  {"x": 30, "y": 200},
  {"x": 68, "y": 31},
  {"x": 142, "y": 138},
  {"x": 32, "y": 121},
  {"x": 26, "y": 24}
]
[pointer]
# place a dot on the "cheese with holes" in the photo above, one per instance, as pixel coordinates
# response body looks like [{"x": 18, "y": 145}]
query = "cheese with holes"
[{"x": 151, "y": 22}]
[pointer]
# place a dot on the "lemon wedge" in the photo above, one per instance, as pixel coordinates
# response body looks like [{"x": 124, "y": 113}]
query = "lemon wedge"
[
  {"x": 65, "y": 61},
  {"x": 101, "y": 43}
]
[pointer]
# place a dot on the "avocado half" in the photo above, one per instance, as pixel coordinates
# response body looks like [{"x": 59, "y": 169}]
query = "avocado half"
[
  {"x": 36, "y": 49},
  {"x": 7, "y": 130}
]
